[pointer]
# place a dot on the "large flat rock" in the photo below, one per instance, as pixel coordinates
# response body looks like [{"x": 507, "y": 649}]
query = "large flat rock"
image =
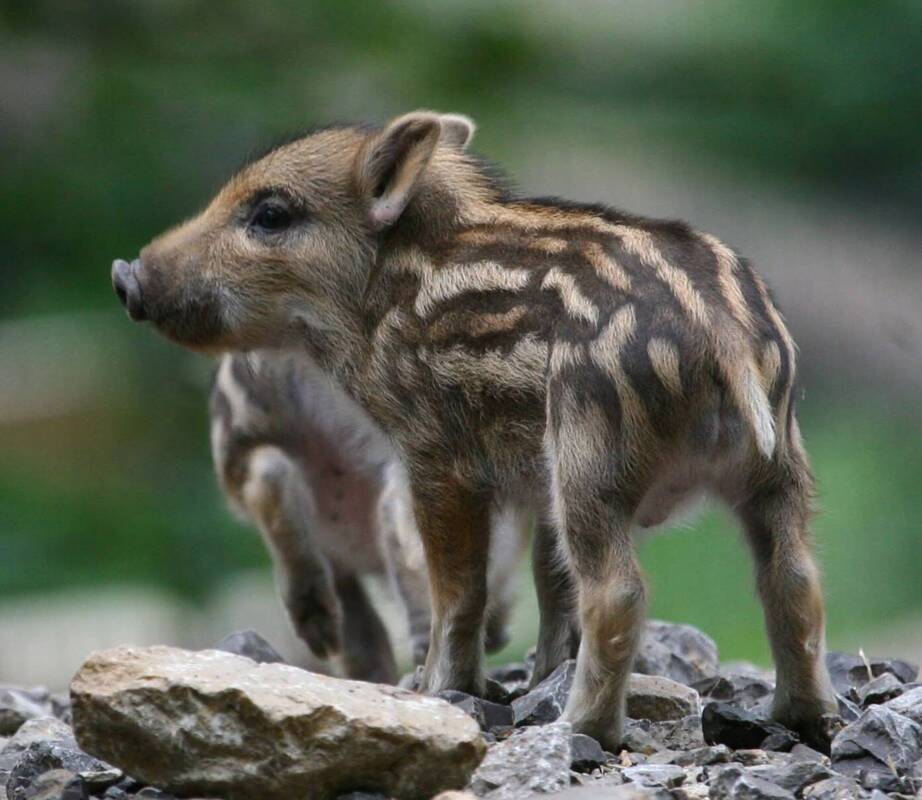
[{"x": 213, "y": 723}]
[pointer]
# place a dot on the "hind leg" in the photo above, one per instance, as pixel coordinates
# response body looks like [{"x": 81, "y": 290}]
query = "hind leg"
[
  {"x": 558, "y": 632},
  {"x": 776, "y": 517},
  {"x": 367, "y": 653},
  {"x": 594, "y": 504},
  {"x": 277, "y": 497}
]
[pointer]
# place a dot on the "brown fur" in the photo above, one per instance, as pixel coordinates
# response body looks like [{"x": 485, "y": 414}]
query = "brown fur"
[{"x": 597, "y": 366}]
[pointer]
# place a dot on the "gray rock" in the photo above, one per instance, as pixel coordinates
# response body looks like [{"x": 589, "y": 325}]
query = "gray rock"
[
  {"x": 40, "y": 729},
  {"x": 781, "y": 741},
  {"x": 802, "y": 752},
  {"x": 838, "y": 787},
  {"x": 365, "y": 796},
  {"x": 19, "y": 705},
  {"x": 680, "y": 734},
  {"x": 514, "y": 674},
  {"x": 667, "y": 776},
  {"x": 487, "y": 715},
  {"x": 97, "y": 781},
  {"x": 546, "y": 702},
  {"x": 637, "y": 738},
  {"x": 881, "y": 735},
  {"x": 43, "y": 756},
  {"x": 909, "y": 704},
  {"x": 215, "y": 723},
  {"x": 533, "y": 760},
  {"x": 703, "y": 756},
  {"x": 57, "y": 784},
  {"x": 883, "y": 688},
  {"x": 657, "y": 699},
  {"x": 734, "y": 783},
  {"x": 848, "y": 710},
  {"x": 794, "y": 776},
  {"x": 586, "y": 754},
  {"x": 250, "y": 644},
  {"x": 850, "y": 672},
  {"x": 735, "y": 727},
  {"x": 605, "y": 790},
  {"x": 740, "y": 689},
  {"x": 678, "y": 652}
]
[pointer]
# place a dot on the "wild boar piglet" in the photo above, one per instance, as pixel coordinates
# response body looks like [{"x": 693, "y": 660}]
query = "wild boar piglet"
[
  {"x": 594, "y": 365},
  {"x": 299, "y": 459}
]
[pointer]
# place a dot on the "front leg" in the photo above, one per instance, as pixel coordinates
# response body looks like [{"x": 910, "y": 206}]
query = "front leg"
[{"x": 454, "y": 524}]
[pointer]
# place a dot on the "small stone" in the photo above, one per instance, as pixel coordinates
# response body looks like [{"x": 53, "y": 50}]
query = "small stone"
[
  {"x": 781, "y": 741},
  {"x": 803, "y": 752},
  {"x": 909, "y": 704},
  {"x": 680, "y": 734},
  {"x": 19, "y": 705},
  {"x": 679, "y": 652},
  {"x": 153, "y": 793},
  {"x": 451, "y": 794},
  {"x": 794, "y": 776},
  {"x": 657, "y": 699},
  {"x": 536, "y": 759},
  {"x": 637, "y": 738},
  {"x": 56, "y": 784},
  {"x": 586, "y": 753},
  {"x": 546, "y": 702},
  {"x": 703, "y": 756},
  {"x": 741, "y": 689},
  {"x": 848, "y": 710},
  {"x": 511, "y": 673},
  {"x": 836, "y": 788},
  {"x": 735, "y": 727},
  {"x": 883, "y": 688},
  {"x": 733, "y": 783},
  {"x": 851, "y": 672},
  {"x": 43, "y": 756},
  {"x": 488, "y": 715},
  {"x": 879, "y": 734},
  {"x": 40, "y": 729},
  {"x": 99, "y": 780},
  {"x": 115, "y": 793},
  {"x": 250, "y": 644},
  {"x": 668, "y": 776},
  {"x": 412, "y": 680}
]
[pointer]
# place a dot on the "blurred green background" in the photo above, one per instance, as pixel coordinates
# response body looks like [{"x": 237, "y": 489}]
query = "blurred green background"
[{"x": 790, "y": 129}]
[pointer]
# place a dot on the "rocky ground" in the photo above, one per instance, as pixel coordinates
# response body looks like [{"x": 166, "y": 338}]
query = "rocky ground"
[{"x": 237, "y": 723}]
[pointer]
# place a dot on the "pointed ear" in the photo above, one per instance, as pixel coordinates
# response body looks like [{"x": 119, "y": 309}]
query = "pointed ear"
[
  {"x": 390, "y": 167},
  {"x": 457, "y": 130}
]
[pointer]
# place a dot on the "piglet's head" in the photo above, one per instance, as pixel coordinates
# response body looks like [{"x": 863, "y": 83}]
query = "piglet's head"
[{"x": 289, "y": 242}]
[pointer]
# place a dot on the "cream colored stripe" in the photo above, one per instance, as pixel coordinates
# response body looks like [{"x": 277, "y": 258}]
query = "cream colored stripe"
[
  {"x": 457, "y": 279},
  {"x": 727, "y": 268},
  {"x": 642, "y": 245},
  {"x": 575, "y": 303},
  {"x": 607, "y": 268},
  {"x": 771, "y": 364},
  {"x": 665, "y": 360},
  {"x": 605, "y": 351}
]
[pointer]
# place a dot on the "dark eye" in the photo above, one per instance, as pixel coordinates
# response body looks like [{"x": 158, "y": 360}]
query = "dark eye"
[{"x": 271, "y": 217}]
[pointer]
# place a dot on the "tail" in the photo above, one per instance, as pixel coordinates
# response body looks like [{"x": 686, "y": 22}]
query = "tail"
[{"x": 750, "y": 398}]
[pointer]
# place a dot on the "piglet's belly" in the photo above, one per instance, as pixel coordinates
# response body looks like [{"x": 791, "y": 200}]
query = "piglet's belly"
[{"x": 345, "y": 502}]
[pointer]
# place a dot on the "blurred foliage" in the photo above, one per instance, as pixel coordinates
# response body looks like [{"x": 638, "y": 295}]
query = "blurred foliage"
[
  {"x": 140, "y": 108},
  {"x": 120, "y": 117}
]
